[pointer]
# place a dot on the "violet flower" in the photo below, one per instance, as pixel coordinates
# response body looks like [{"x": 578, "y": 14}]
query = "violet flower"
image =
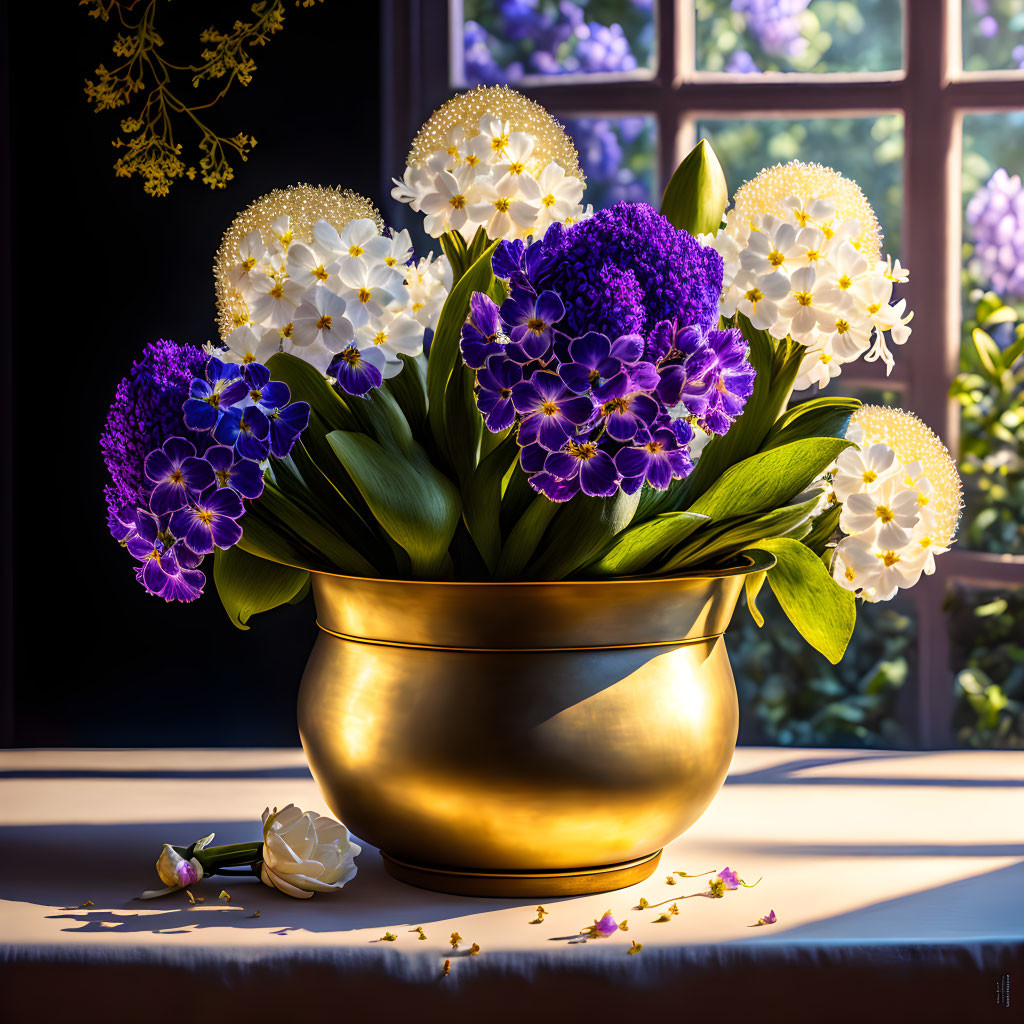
[
  {"x": 657, "y": 462},
  {"x": 175, "y": 473},
  {"x": 626, "y": 411},
  {"x": 210, "y": 520},
  {"x": 586, "y": 463},
  {"x": 494, "y": 384},
  {"x": 242, "y": 475},
  {"x": 358, "y": 371},
  {"x": 551, "y": 413},
  {"x": 529, "y": 319}
]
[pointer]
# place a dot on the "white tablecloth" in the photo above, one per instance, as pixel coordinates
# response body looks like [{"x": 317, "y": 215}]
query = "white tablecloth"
[{"x": 897, "y": 879}]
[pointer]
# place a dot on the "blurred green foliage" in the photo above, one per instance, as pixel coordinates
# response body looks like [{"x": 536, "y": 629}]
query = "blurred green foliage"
[
  {"x": 790, "y": 695},
  {"x": 987, "y": 641},
  {"x": 989, "y": 390}
]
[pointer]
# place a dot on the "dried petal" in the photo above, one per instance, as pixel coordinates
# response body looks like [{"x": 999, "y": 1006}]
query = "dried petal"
[
  {"x": 455, "y": 940},
  {"x": 474, "y": 950},
  {"x": 388, "y": 937},
  {"x": 635, "y": 948},
  {"x": 446, "y": 968}
]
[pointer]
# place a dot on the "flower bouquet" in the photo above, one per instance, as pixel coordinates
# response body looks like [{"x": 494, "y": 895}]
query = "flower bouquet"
[{"x": 569, "y": 435}]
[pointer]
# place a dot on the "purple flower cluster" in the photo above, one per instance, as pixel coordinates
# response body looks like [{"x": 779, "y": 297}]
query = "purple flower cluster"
[
  {"x": 188, "y": 498},
  {"x": 606, "y": 363},
  {"x": 996, "y": 215},
  {"x": 776, "y": 24},
  {"x": 145, "y": 412}
]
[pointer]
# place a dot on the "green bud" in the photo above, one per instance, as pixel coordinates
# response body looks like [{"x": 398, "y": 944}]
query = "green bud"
[{"x": 696, "y": 197}]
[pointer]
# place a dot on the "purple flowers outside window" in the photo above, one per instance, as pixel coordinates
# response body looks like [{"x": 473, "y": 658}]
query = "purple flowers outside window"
[{"x": 605, "y": 354}]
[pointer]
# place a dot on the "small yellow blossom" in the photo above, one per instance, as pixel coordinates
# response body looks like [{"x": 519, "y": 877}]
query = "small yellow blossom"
[
  {"x": 455, "y": 940},
  {"x": 420, "y": 932},
  {"x": 635, "y": 948},
  {"x": 389, "y": 937}
]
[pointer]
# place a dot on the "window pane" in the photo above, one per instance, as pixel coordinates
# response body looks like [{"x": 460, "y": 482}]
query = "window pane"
[
  {"x": 988, "y": 658},
  {"x": 790, "y": 695},
  {"x": 743, "y": 36},
  {"x": 618, "y": 156},
  {"x": 993, "y": 34},
  {"x": 867, "y": 149},
  {"x": 992, "y": 419},
  {"x": 507, "y": 40}
]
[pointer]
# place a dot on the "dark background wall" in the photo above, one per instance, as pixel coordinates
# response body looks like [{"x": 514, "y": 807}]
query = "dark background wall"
[{"x": 99, "y": 269}]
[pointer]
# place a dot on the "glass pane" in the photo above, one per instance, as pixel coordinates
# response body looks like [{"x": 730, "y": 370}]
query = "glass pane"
[
  {"x": 867, "y": 149},
  {"x": 988, "y": 658},
  {"x": 744, "y": 36},
  {"x": 507, "y": 40},
  {"x": 618, "y": 156},
  {"x": 989, "y": 390},
  {"x": 993, "y": 34},
  {"x": 790, "y": 695}
]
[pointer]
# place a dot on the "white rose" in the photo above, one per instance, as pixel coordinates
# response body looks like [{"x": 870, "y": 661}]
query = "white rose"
[{"x": 305, "y": 853}]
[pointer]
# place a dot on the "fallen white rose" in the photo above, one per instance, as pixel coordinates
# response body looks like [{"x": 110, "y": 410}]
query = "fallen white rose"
[{"x": 306, "y": 852}]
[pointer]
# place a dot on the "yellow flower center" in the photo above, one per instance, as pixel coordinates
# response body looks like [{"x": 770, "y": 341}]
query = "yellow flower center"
[
  {"x": 654, "y": 447},
  {"x": 324, "y": 323},
  {"x": 889, "y": 558},
  {"x": 499, "y": 142},
  {"x": 874, "y": 308},
  {"x": 417, "y": 306},
  {"x": 884, "y": 513},
  {"x": 223, "y": 475},
  {"x": 812, "y": 255},
  {"x": 355, "y": 250},
  {"x": 472, "y": 159},
  {"x": 549, "y": 408},
  {"x": 926, "y": 542},
  {"x": 390, "y": 261},
  {"x": 277, "y": 292},
  {"x": 320, "y": 274},
  {"x": 804, "y": 298},
  {"x": 536, "y": 325},
  {"x": 502, "y": 204},
  {"x": 826, "y": 358},
  {"x": 286, "y": 331},
  {"x": 365, "y": 295},
  {"x": 205, "y": 516},
  {"x": 177, "y": 477},
  {"x": 549, "y": 200},
  {"x": 248, "y": 264},
  {"x": 850, "y": 574},
  {"x": 516, "y": 168},
  {"x": 240, "y": 319},
  {"x": 754, "y": 295},
  {"x": 842, "y": 326},
  {"x": 801, "y": 218},
  {"x": 775, "y": 258},
  {"x": 380, "y": 337},
  {"x": 584, "y": 451},
  {"x": 923, "y": 499},
  {"x": 844, "y": 282},
  {"x": 458, "y": 201},
  {"x": 351, "y": 356},
  {"x": 615, "y": 405},
  {"x": 869, "y": 476}
]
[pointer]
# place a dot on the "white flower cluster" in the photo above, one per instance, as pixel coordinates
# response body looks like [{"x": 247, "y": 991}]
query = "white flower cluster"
[
  {"x": 491, "y": 180},
  {"x": 888, "y": 518},
  {"x": 339, "y": 289},
  {"x": 803, "y": 274}
]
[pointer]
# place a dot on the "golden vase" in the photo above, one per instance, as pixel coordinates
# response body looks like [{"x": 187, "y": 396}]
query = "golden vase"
[{"x": 521, "y": 739}]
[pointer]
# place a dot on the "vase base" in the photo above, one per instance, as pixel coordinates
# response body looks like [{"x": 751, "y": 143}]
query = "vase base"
[{"x": 523, "y": 884}]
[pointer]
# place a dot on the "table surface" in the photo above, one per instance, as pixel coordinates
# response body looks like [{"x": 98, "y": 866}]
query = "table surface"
[{"x": 862, "y": 853}]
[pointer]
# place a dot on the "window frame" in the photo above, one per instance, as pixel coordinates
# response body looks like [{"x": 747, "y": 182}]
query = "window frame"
[{"x": 421, "y": 42}]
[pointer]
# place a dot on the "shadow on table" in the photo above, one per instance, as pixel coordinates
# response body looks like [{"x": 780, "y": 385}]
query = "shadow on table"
[
  {"x": 63, "y": 866},
  {"x": 791, "y": 772},
  {"x": 932, "y": 915}
]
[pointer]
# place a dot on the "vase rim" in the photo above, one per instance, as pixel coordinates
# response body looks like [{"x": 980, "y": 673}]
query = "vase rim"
[{"x": 760, "y": 561}]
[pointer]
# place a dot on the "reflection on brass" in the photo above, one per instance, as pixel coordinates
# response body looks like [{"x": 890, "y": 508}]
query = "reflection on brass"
[{"x": 521, "y": 739}]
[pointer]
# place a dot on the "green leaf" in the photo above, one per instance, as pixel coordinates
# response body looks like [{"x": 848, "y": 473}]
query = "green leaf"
[
  {"x": 247, "y": 585},
  {"x": 268, "y": 538},
  {"x": 696, "y": 195},
  {"x": 417, "y": 505},
  {"x": 582, "y": 530},
  {"x": 988, "y": 352},
  {"x": 1014, "y": 352},
  {"x": 381, "y": 418},
  {"x": 817, "y": 417},
  {"x": 410, "y": 392},
  {"x": 525, "y": 536},
  {"x": 317, "y": 534},
  {"x": 822, "y": 612},
  {"x": 733, "y": 535},
  {"x": 453, "y": 245},
  {"x": 768, "y": 480},
  {"x": 639, "y": 546},
  {"x": 823, "y": 528},
  {"x": 444, "y": 349},
  {"x": 482, "y": 501},
  {"x": 752, "y": 584},
  {"x": 776, "y": 369},
  {"x": 308, "y": 384}
]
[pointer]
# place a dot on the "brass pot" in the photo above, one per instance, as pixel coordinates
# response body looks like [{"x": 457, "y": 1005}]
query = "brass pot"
[{"x": 521, "y": 739}]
